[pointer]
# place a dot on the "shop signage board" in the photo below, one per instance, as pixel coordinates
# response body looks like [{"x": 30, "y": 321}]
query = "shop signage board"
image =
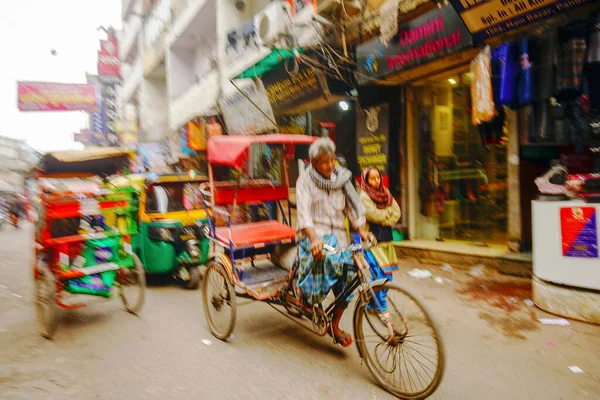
[
  {"x": 287, "y": 91},
  {"x": 293, "y": 124},
  {"x": 109, "y": 95},
  {"x": 372, "y": 137},
  {"x": 49, "y": 96},
  {"x": 433, "y": 35},
  {"x": 108, "y": 57},
  {"x": 244, "y": 111},
  {"x": 579, "y": 232},
  {"x": 486, "y": 19}
]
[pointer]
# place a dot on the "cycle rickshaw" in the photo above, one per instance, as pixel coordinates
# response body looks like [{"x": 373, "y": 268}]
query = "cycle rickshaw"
[
  {"x": 387, "y": 343},
  {"x": 84, "y": 235}
]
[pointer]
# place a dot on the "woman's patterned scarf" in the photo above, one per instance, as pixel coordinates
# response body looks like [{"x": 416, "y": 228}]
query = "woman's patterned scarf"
[
  {"x": 382, "y": 196},
  {"x": 343, "y": 181}
]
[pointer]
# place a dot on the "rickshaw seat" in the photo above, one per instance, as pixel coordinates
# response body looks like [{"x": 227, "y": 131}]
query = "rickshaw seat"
[{"x": 256, "y": 233}]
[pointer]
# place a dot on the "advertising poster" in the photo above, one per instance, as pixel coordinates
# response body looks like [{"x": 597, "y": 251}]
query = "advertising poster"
[
  {"x": 48, "y": 96},
  {"x": 372, "y": 137},
  {"x": 579, "y": 232}
]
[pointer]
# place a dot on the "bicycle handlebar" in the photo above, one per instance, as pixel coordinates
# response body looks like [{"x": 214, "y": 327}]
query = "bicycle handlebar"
[{"x": 353, "y": 248}]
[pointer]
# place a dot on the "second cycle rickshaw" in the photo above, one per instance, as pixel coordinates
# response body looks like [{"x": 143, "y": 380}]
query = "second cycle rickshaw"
[{"x": 394, "y": 344}]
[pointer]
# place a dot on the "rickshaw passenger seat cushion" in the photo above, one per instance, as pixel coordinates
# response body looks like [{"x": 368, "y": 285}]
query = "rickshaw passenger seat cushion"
[{"x": 254, "y": 233}]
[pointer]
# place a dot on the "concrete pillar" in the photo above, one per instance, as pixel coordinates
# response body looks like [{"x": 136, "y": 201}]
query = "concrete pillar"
[{"x": 514, "y": 183}]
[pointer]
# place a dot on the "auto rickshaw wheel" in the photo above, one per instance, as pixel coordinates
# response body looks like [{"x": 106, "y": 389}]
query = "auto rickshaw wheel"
[
  {"x": 194, "y": 281},
  {"x": 46, "y": 308},
  {"x": 133, "y": 277},
  {"x": 220, "y": 302}
]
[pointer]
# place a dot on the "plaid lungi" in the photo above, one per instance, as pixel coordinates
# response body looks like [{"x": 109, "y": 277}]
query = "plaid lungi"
[{"x": 317, "y": 277}]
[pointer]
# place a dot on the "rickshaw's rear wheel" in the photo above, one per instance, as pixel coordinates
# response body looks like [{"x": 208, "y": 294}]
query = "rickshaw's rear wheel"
[
  {"x": 134, "y": 277},
  {"x": 46, "y": 309},
  {"x": 220, "y": 303}
]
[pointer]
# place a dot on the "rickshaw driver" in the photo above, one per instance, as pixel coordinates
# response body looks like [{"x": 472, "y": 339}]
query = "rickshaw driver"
[{"x": 325, "y": 196}]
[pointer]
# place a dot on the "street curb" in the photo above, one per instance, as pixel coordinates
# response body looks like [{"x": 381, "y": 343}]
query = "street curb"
[{"x": 520, "y": 266}]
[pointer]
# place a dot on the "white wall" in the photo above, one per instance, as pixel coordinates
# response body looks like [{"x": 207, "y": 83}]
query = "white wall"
[
  {"x": 180, "y": 72},
  {"x": 160, "y": 16},
  {"x": 153, "y": 110}
]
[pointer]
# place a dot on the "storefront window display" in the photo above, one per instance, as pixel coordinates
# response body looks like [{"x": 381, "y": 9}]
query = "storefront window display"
[{"x": 461, "y": 168}]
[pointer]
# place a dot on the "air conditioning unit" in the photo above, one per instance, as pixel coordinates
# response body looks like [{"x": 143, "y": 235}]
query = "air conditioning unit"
[{"x": 273, "y": 22}]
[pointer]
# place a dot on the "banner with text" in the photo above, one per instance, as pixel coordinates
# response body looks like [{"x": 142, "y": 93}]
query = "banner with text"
[
  {"x": 286, "y": 91},
  {"x": 433, "y": 35},
  {"x": 47, "y": 96},
  {"x": 488, "y": 18},
  {"x": 248, "y": 111}
]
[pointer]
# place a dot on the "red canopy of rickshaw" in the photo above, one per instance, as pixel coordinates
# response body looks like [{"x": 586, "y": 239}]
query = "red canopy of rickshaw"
[{"x": 233, "y": 151}]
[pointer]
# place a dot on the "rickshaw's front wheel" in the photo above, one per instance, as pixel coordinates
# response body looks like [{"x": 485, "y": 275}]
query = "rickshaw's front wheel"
[
  {"x": 399, "y": 341},
  {"x": 220, "y": 303},
  {"x": 46, "y": 309},
  {"x": 132, "y": 282},
  {"x": 194, "y": 277}
]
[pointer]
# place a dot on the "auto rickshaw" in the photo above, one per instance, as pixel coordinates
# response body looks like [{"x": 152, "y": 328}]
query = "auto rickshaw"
[
  {"x": 171, "y": 224},
  {"x": 83, "y": 235}
]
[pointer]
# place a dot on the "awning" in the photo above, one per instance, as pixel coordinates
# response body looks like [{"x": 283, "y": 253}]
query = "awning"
[
  {"x": 268, "y": 63},
  {"x": 233, "y": 151}
]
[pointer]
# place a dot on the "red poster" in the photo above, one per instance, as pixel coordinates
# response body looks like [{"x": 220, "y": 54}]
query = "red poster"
[
  {"x": 327, "y": 129},
  {"x": 48, "y": 96},
  {"x": 579, "y": 232}
]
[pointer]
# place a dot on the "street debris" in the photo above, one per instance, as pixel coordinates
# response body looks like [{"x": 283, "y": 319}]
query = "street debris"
[
  {"x": 18, "y": 296},
  {"x": 477, "y": 271},
  {"x": 529, "y": 302},
  {"x": 447, "y": 268},
  {"x": 549, "y": 344},
  {"x": 554, "y": 321},
  {"x": 439, "y": 280},
  {"x": 206, "y": 342},
  {"x": 576, "y": 369},
  {"x": 420, "y": 273}
]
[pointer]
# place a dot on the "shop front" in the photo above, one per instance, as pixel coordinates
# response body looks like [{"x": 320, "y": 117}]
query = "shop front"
[{"x": 469, "y": 157}]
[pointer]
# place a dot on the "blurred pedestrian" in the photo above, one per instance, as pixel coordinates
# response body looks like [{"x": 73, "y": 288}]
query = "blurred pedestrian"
[{"x": 382, "y": 212}]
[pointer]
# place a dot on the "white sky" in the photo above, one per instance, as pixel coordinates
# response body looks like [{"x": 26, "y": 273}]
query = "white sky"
[{"x": 29, "y": 30}]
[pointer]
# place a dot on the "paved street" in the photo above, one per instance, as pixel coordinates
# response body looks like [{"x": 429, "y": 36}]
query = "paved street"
[{"x": 496, "y": 348}]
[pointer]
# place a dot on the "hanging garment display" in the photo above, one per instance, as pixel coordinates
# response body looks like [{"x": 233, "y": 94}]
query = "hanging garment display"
[
  {"x": 525, "y": 84},
  {"x": 491, "y": 132},
  {"x": 548, "y": 60},
  {"x": 593, "y": 67},
  {"x": 481, "y": 87},
  {"x": 505, "y": 72},
  {"x": 573, "y": 47},
  {"x": 389, "y": 20}
]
